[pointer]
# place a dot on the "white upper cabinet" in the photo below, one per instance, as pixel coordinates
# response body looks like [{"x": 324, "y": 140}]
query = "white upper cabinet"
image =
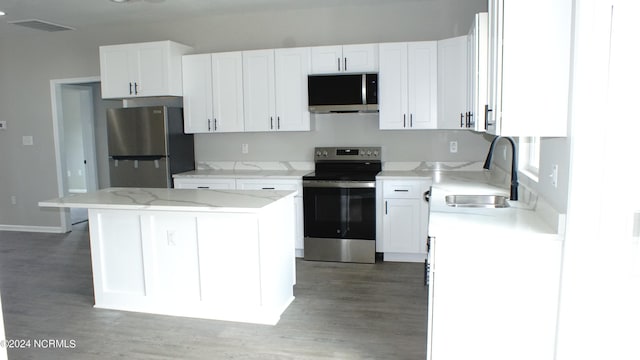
[
  {"x": 452, "y": 84},
  {"x": 213, "y": 99},
  {"x": 275, "y": 89},
  {"x": 529, "y": 67},
  {"x": 344, "y": 58},
  {"x": 142, "y": 69},
  {"x": 407, "y": 90},
  {"x": 198, "y": 98},
  {"x": 228, "y": 109},
  {"x": 477, "y": 58}
]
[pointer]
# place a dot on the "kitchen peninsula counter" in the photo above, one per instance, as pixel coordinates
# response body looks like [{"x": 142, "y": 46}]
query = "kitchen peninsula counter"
[{"x": 214, "y": 254}]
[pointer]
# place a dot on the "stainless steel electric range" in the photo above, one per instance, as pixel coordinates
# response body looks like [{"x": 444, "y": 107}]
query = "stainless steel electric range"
[{"x": 340, "y": 205}]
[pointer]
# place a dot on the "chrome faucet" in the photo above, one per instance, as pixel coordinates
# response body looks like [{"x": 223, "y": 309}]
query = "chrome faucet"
[{"x": 514, "y": 164}]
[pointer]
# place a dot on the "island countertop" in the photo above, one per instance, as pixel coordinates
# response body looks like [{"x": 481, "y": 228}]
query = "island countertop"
[{"x": 171, "y": 199}]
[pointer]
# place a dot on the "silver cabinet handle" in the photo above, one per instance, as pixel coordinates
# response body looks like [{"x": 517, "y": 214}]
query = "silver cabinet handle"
[
  {"x": 411, "y": 120},
  {"x": 215, "y": 124},
  {"x": 208, "y": 124},
  {"x": 461, "y": 122},
  {"x": 401, "y": 190},
  {"x": 338, "y": 64},
  {"x": 486, "y": 117},
  {"x": 130, "y": 88},
  {"x": 386, "y": 208},
  {"x": 268, "y": 188},
  {"x": 404, "y": 120},
  {"x": 271, "y": 121},
  {"x": 135, "y": 87},
  {"x": 345, "y": 64},
  {"x": 278, "y": 123}
]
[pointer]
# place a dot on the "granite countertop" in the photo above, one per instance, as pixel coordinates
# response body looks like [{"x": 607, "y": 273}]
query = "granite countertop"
[
  {"x": 219, "y": 173},
  {"x": 171, "y": 199}
]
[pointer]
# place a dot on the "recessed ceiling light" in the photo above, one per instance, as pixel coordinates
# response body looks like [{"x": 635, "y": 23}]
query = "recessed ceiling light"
[
  {"x": 2, "y": 13},
  {"x": 120, "y": 1}
]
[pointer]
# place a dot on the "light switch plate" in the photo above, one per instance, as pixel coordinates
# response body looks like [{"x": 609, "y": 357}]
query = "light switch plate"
[
  {"x": 27, "y": 140},
  {"x": 3, "y": 125}
]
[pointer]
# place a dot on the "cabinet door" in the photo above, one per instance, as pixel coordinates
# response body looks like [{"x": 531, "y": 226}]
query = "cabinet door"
[
  {"x": 452, "y": 83},
  {"x": 292, "y": 102},
  {"x": 401, "y": 226},
  {"x": 152, "y": 68},
  {"x": 360, "y": 58},
  {"x": 477, "y": 77},
  {"x": 228, "y": 109},
  {"x": 115, "y": 76},
  {"x": 326, "y": 59},
  {"x": 197, "y": 93},
  {"x": 393, "y": 88},
  {"x": 259, "y": 79},
  {"x": 423, "y": 85},
  {"x": 529, "y": 94}
]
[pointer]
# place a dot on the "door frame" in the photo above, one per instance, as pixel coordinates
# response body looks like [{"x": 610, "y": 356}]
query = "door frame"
[{"x": 57, "y": 116}]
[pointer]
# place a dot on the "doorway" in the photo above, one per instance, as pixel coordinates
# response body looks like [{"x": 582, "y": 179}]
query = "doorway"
[{"x": 78, "y": 111}]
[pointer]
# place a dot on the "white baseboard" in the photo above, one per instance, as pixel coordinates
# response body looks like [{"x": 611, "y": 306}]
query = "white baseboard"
[{"x": 40, "y": 229}]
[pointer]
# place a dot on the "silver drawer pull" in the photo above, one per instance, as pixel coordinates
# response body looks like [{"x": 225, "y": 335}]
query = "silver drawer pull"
[{"x": 401, "y": 190}]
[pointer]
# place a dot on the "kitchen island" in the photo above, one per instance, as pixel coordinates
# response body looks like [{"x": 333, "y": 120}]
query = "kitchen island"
[{"x": 224, "y": 255}]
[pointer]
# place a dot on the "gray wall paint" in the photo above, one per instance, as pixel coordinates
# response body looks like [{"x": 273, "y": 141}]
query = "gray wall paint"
[{"x": 30, "y": 62}]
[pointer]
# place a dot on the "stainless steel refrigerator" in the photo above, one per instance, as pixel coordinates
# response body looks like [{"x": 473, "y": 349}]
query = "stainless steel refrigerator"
[{"x": 147, "y": 145}]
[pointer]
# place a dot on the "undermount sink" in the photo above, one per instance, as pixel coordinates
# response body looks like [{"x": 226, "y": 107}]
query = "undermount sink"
[{"x": 477, "y": 201}]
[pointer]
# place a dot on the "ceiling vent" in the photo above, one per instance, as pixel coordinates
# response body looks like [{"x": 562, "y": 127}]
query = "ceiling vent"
[{"x": 41, "y": 25}]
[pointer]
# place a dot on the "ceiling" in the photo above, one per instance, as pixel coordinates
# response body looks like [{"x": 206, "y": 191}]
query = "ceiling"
[{"x": 81, "y": 14}]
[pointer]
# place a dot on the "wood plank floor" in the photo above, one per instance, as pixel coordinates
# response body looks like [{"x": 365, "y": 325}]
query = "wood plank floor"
[{"x": 341, "y": 311}]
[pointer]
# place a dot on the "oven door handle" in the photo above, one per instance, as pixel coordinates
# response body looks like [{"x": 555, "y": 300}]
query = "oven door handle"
[{"x": 339, "y": 184}]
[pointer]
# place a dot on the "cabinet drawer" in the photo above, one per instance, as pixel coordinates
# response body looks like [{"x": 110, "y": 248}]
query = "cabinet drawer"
[
  {"x": 210, "y": 183},
  {"x": 272, "y": 184},
  {"x": 402, "y": 189}
]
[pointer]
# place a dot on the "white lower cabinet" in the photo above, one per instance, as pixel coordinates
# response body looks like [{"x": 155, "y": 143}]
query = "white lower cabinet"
[
  {"x": 224, "y": 183},
  {"x": 404, "y": 217}
]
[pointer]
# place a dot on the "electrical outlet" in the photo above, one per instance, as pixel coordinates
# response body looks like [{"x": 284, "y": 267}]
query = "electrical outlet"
[
  {"x": 554, "y": 176},
  {"x": 245, "y": 148},
  {"x": 27, "y": 140},
  {"x": 3, "y": 125},
  {"x": 13, "y": 200},
  {"x": 453, "y": 146}
]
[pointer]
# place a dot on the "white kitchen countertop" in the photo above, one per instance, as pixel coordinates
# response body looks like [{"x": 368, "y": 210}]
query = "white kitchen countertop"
[
  {"x": 521, "y": 218},
  {"x": 217, "y": 173},
  {"x": 171, "y": 199}
]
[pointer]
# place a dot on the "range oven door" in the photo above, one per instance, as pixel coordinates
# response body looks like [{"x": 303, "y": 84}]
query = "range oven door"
[
  {"x": 339, "y": 209},
  {"x": 339, "y": 221}
]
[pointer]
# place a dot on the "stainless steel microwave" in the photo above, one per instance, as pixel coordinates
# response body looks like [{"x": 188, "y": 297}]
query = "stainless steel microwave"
[{"x": 343, "y": 93}]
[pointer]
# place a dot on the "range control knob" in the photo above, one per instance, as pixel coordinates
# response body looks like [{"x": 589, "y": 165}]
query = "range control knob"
[
  {"x": 369, "y": 153},
  {"x": 375, "y": 153},
  {"x": 318, "y": 153},
  {"x": 325, "y": 153}
]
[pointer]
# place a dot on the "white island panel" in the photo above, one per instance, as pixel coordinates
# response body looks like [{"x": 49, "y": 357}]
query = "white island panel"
[{"x": 224, "y": 255}]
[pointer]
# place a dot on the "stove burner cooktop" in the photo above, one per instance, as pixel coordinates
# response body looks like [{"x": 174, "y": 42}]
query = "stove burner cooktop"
[{"x": 346, "y": 163}]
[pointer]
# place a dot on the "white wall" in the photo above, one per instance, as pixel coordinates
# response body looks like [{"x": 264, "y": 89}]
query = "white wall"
[{"x": 28, "y": 63}]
